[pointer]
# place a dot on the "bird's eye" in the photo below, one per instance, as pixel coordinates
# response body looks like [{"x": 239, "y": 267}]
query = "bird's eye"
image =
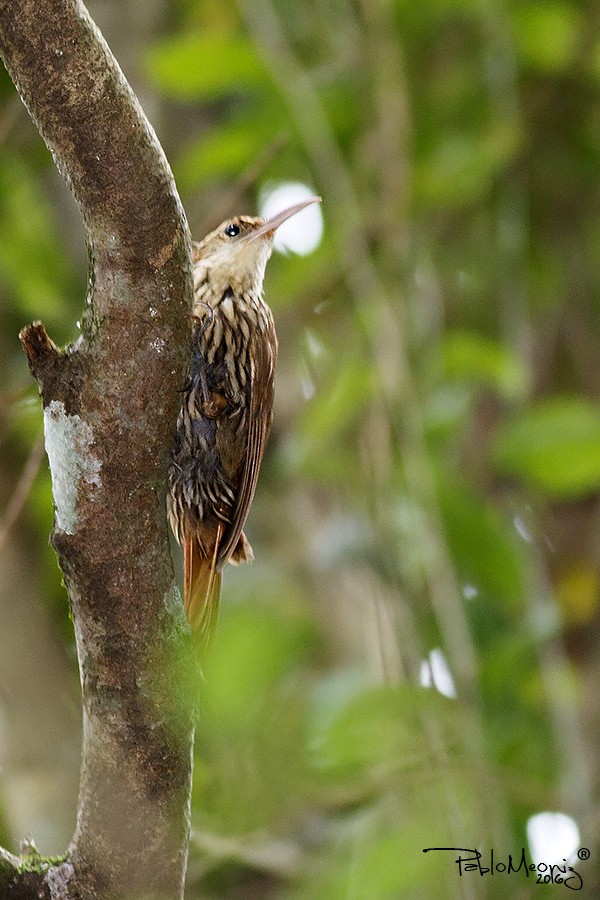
[{"x": 232, "y": 230}]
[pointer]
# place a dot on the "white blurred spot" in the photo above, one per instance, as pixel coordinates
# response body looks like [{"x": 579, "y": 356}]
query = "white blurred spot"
[
  {"x": 307, "y": 383},
  {"x": 552, "y": 837},
  {"x": 303, "y": 232},
  {"x": 315, "y": 347},
  {"x": 470, "y": 591},
  {"x": 522, "y": 529},
  {"x": 435, "y": 673},
  {"x": 425, "y": 677}
]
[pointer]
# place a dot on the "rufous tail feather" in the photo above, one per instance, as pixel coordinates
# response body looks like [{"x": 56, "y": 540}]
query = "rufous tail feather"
[{"x": 201, "y": 587}]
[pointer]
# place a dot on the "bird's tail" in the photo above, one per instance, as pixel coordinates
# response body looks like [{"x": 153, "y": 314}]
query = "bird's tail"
[
  {"x": 201, "y": 588},
  {"x": 202, "y": 581}
]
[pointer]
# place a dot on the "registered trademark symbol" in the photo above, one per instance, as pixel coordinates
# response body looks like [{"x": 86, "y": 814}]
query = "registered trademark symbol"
[{"x": 583, "y": 853}]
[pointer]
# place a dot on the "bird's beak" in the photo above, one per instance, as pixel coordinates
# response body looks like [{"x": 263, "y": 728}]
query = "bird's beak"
[{"x": 271, "y": 225}]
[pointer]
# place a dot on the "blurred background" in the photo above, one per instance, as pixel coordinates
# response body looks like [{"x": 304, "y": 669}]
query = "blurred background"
[{"x": 413, "y": 659}]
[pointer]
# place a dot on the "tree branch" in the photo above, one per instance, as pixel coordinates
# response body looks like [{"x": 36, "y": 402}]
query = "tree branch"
[{"x": 110, "y": 403}]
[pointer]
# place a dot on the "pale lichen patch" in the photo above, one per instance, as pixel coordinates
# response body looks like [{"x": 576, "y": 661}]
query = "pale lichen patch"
[
  {"x": 158, "y": 345},
  {"x": 68, "y": 444},
  {"x": 57, "y": 878}
]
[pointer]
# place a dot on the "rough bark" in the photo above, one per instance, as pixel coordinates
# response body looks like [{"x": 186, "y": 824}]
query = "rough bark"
[{"x": 110, "y": 403}]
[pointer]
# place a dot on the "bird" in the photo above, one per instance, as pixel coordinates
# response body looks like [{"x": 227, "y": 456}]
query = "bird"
[{"x": 226, "y": 409}]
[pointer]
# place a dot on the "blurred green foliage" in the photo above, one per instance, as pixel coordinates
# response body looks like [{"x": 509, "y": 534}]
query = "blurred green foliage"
[
  {"x": 433, "y": 474},
  {"x": 555, "y": 444}
]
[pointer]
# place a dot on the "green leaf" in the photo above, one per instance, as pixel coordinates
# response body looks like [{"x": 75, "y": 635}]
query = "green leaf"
[
  {"x": 384, "y": 865},
  {"x": 377, "y": 733},
  {"x": 206, "y": 67},
  {"x": 348, "y": 746},
  {"x": 319, "y": 448},
  {"x": 438, "y": 11},
  {"x": 32, "y": 263},
  {"x": 482, "y": 545},
  {"x": 547, "y": 34},
  {"x": 264, "y": 643},
  {"x": 225, "y": 151},
  {"x": 471, "y": 357},
  {"x": 395, "y": 865},
  {"x": 252, "y": 733},
  {"x": 554, "y": 446},
  {"x": 338, "y": 403},
  {"x": 460, "y": 169},
  {"x": 377, "y": 853}
]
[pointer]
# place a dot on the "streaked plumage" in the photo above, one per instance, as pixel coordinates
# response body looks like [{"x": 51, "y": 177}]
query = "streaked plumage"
[{"x": 226, "y": 411}]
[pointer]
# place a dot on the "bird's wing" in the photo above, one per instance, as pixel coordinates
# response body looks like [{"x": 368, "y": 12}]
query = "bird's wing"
[{"x": 260, "y": 414}]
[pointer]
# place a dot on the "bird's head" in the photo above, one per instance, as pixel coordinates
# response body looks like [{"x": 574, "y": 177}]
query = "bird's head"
[{"x": 237, "y": 251}]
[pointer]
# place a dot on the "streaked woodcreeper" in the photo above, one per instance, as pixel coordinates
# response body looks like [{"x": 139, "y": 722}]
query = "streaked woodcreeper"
[{"x": 226, "y": 411}]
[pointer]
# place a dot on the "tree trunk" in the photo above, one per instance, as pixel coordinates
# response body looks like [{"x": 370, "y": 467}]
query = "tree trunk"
[{"x": 110, "y": 403}]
